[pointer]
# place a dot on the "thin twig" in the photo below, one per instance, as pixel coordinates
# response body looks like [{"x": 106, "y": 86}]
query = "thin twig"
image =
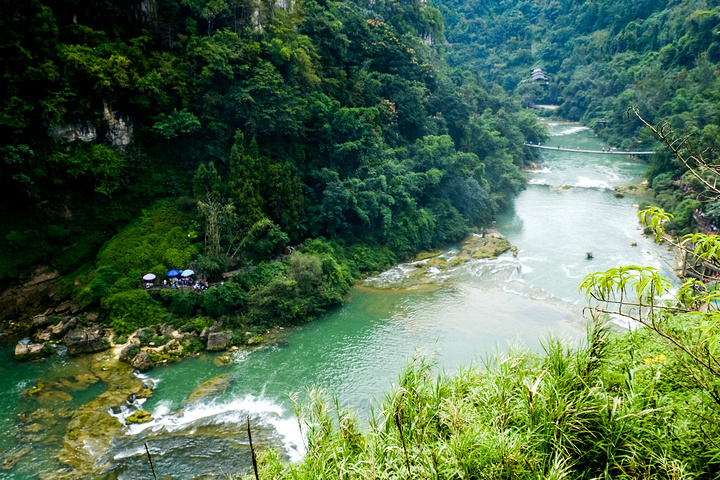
[
  {"x": 150, "y": 460},
  {"x": 252, "y": 450}
]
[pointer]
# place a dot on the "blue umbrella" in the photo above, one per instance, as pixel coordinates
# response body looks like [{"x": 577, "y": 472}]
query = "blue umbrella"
[
  {"x": 186, "y": 273},
  {"x": 173, "y": 273}
]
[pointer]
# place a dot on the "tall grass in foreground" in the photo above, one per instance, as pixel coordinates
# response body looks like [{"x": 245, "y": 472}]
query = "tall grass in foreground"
[{"x": 613, "y": 408}]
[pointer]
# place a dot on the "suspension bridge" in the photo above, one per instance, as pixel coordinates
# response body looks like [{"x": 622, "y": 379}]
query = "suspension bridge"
[{"x": 609, "y": 151}]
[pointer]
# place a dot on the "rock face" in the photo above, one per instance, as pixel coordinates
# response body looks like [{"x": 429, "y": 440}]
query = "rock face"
[
  {"x": 120, "y": 130},
  {"x": 84, "y": 131},
  {"x": 219, "y": 341},
  {"x": 31, "y": 351},
  {"x": 38, "y": 294},
  {"x": 84, "y": 341},
  {"x": 142, "y": 361}
]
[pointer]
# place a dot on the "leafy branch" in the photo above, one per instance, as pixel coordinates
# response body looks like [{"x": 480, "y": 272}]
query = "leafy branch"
[{"x": 693, "y": 160}]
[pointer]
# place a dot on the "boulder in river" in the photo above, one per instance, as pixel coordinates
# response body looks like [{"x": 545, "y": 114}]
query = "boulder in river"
[
  {"x": 141, "y": 416},
  {"x": 87, "y": 340},
  {"x": 13, "y": 458},
  {"x": 489, "y": 245},
  {"x": 214, "y": 386},
  {"x": 32, "y": 351},
  {"x": 219, "y": 341}
]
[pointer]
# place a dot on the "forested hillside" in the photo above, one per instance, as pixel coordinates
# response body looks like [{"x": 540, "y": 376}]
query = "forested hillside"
[
  {"x": 602, "y": 57},
  {"x": 213, "y": 134}
]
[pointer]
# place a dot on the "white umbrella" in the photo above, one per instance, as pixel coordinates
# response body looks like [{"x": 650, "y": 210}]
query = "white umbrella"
[
  {"x": 186, "y": 273},
  {"x": 149, "y": 276}
]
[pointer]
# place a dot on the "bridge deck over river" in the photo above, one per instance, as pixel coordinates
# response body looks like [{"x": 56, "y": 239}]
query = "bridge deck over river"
[{"x": 599, "y": 152}]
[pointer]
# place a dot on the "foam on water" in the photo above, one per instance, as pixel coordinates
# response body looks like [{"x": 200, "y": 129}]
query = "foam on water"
[
  {"x": 232, "y": 412},
  {"x": 585, "y": 182},
  {"x": 567, "y": 131}
]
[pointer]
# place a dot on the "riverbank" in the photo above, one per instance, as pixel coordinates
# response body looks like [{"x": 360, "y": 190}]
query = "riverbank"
[{"x": 91, "y": 426}]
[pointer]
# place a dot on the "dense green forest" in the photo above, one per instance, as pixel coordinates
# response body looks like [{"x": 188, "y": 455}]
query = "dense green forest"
[
  {"x": 602, "y": 57},
  {"x": 165, "y": 134}
]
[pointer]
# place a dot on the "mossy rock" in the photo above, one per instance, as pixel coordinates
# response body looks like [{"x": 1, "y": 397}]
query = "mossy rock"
[
  {"x": 222, "y": 361},
  {"x": 485, "y": 247},
  {"x": 427, "y": 254},
  {"x": 36, "y": 389},
  {"x": 141, "y": 416},
  {"x": 438, "y": 262},
  {"x": 459, "y": 260},
  {"x": 91, "y": 427},
  {"x": 214, "y": 386}
]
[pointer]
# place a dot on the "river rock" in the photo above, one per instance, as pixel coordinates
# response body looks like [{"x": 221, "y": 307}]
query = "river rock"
[
  {"x": 489, "y": 245},
  {"x": 206, "y": 333},
  {"x": 33, "y": 428},
  {"x": 87, "y": 340},
  {"x": 13, "y": 458},
  {"x": 91, "y": 430},
  {"x": 214, "y": 386},
  {"x": 64, "y": 326},
  {"x": 129, "y": 352},
  {"x": 219, "y": 341},
  {"x": 142, "y": 361},
  {"x": 141, "y": 416},
  {"x": 222, "y": 361},
  {"x": 43, "y": 337},
  {"x": 40, "y": 322},
  {"x": 31, "y": 351}
]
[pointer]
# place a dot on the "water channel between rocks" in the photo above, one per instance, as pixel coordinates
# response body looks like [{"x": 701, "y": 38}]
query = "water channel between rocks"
[{"x": 356, "y": 351}]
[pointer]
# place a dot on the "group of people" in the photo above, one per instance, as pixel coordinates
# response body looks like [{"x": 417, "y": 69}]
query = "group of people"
[{"x": 177, "y": 282}]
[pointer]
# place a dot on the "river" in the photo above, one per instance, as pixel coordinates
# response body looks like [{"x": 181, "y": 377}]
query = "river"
[{"x": 356, "y": 351}]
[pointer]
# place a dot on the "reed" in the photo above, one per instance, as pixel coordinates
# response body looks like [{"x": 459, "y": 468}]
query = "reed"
[{"x": 599, "y": 410}]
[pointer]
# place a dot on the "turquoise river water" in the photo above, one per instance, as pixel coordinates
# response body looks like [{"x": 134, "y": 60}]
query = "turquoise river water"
[{"x": 356, "y": 351}]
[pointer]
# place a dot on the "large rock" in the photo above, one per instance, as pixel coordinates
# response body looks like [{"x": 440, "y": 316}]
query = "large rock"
[
  {"x": 206, "y": 333},
  {"x": 62, "y": 328},
  {"x": 141, "y": 416},
  {"x": 489, "y": 246},
  {"x": 31, "y": 351},
  {"x": 84, "y": 341},
  {"x": 129, "y": 352},
  {"x": 219, "y": 341},
  {"x": 40, "y": 322},
  {"x": 142, "y": 361}
]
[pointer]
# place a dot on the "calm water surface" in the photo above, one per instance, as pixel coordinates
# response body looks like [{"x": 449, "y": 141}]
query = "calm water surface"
[{"x": 357, "y": 350}]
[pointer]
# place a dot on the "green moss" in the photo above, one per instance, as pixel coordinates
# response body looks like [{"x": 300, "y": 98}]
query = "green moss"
[
  {"x": 36, "y": 389},
  {"x": 141, "y": 416}
]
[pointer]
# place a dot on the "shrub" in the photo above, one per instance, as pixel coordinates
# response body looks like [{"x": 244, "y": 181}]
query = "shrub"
[{"x": 128, "y": 311}]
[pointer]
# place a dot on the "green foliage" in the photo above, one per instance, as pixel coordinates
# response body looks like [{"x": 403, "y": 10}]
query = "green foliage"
[
  {"x": 655, "y": 218},
  {"x": 130, "y": 310},
  {"x": 160, "y": 236},
  {"x": 617, "y": 406},
  {"x": 254, "y": 128}
]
